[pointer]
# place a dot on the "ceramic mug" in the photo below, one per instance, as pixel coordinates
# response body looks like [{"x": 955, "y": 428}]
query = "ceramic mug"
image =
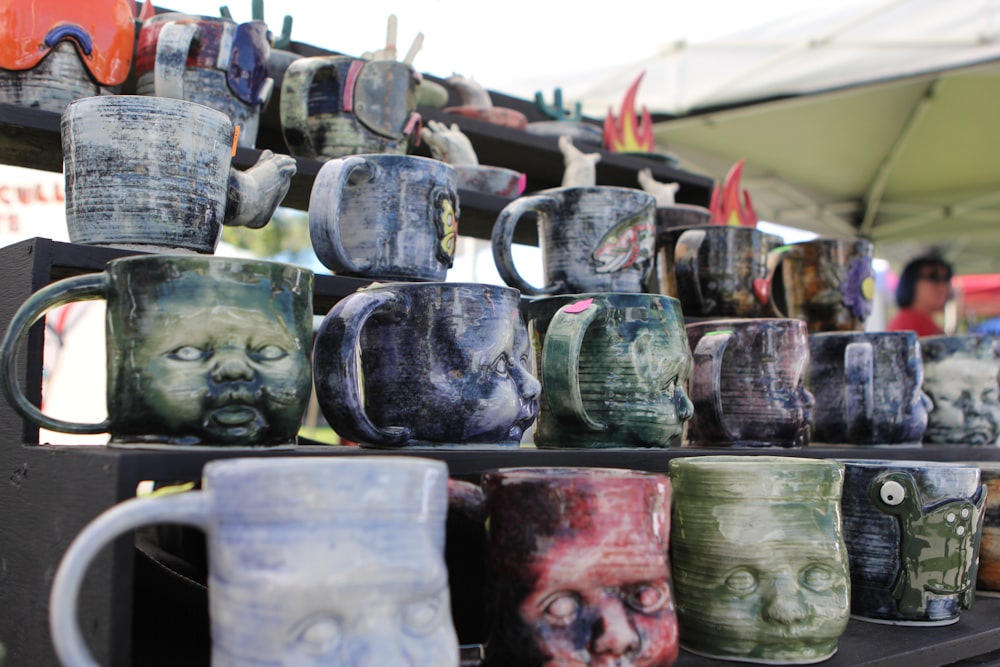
[
  {"x": 387, "y": 217},
  {"x": 593, "y": 239},
  {"x": 716, "y": 270},
  {"x": 912, "y": 530},
  {"x": 56, "y": 52},
  {"x": 200, "y": 350},
  {"x": 208, "y": 60},
  {"x": 440, "y": 364},
  {"x": 334, "y": 561},
  {"x": 156, "y": 174},
  {"x": 867, "y": 388},
  {"x": 578, "y": 564},
  {"x": 961, "y": 380},
  {"x": 829, "y": 283},
  {"x": 988, "y": 579},
  {"x": 334, "y": 106},
  {"x": 748, "y": 383},
  {"x": 760, "y": 566},
  {"x": 613, "y": 367}
]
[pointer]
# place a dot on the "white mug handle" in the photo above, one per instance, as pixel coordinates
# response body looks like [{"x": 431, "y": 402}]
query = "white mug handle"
[{"x": 172, "y": 46}]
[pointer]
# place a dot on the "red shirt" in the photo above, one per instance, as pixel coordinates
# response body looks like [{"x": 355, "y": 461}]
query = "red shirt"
[{"x": 908, "y": 319}]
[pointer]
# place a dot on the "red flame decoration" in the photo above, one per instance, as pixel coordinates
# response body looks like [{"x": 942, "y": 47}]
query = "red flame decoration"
[
  {"x": 627, "y": 134},
  {"x": 726, "y": 207}
]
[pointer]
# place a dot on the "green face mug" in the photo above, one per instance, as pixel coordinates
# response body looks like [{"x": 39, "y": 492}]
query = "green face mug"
[{"x": 201, "y": 350}]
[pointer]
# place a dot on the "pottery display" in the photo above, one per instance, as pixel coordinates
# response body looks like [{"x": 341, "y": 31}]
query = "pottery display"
[
  {"x": 209, "y": 60},
  {"x": 716, "y": 270},
  {"x": 960, "y": 380},
  {"x": 441, "y": 364},
  {"x": 912, "y": 530},
  {"x": 867, "y": 388},
  {"x": 988, "y": 577},
  {"x": 759, "y": 562},
  {"x": 312, "y": 561},
  {"x": 155, "y": 173},
  {"x": 613, "y": 368},
  {"x": 387, "y": 217},
  {"x": 829, "y": 283},
  {"x": 593, "y": 239},
  {"x": 579, "y": 572},
  {"x": 748, "y": 383},
  {"x": 54, "y": 52},
  {"x": 334, "y": 106},
  {"x": 449, "y": 144},
  {"x": 201, "y": 351}
]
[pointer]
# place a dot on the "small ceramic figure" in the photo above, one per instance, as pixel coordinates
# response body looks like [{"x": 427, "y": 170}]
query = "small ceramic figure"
[
  {"x": 475, "y": 102},
  {"x": 448, "y": 143},
  {"x": 628, "y": 134},
  {"x": 470, "y": 92},
  {"x": 581, "y": 168},
  {"x": 664, "y": 192}
]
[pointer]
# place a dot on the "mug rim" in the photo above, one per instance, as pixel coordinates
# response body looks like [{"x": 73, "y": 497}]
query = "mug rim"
[
  {"x": 167, "y": 258},
  {"x": 150, "y": 101}
]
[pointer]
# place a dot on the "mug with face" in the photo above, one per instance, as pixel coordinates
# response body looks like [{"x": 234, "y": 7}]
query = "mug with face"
[
  {"x": 440, "y": 364},
  {"x": 613, "y": 368},
  {"x": 202, "y": 351},
  {"x": 760, "y": 565},
  {"x": 311, "y": 561},
  {"x": 579, "y": 567},
  {"x": 961, "y": 380}
]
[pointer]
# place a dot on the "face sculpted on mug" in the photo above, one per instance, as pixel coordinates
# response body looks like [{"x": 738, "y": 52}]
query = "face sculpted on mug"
[
  {"x": 964, "y": 392},
  {"x": 221, "y": 374}
]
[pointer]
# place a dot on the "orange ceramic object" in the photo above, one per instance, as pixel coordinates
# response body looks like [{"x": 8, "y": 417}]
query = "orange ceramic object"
[{"x": 102, "y": 30}]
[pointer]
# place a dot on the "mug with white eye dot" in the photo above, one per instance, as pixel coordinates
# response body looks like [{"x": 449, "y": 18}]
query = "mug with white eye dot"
[{"x": 892, "y": 493}]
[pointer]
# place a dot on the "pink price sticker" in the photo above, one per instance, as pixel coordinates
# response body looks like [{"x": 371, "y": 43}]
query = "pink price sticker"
[{"x": 579, "y": 306}]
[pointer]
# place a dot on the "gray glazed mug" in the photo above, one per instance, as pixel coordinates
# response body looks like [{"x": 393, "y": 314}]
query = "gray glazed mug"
[
  {"x": 53, "y": 83},
  {"x": 204, "y": 351},
  {"x": 311, "y": 561},
  {"x": 387, "y": 217},
  {"x": 867, "y": 388},
  {"x": 155, "y": 173},
  {"x": 960, "y": 380},
  {"x": 593, "y": 239},
  {"x": 613, "y": 368},
  {"x": 441, "y": 364}
]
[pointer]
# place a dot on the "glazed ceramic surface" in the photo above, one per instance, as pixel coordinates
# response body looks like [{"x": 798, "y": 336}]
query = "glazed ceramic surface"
[
  {"x": 829, "y": 283},
  {"x": 208, "y": 60},
  {"x": 201, "y": 350},
  {"x": 334, "y": 106},
  {"x": 579, "y": 568},
  {"x": 155, "y": 173},
  {"x": 867, "y": 388},
  {"x": 593, "y": 239},
  {"x": 989, "y": 549},
  {"x": 748, "y": 383},
  {"x": 388, "y": 217},
  {"x": 317, "y": 561},
  {"x": 760, "y": 564},
  {"x": 440, "y": 364},
  {"x": 681, "y": 215},
  {"x": 960, "y": 379},
  {"x": 912, "y": 530},
  {"x": 716, "y": 270},
  {"x": 613, "y": 368}
]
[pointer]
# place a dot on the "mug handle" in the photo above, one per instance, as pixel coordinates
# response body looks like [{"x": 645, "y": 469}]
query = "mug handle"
[
  {"x": 293, "y": 105},
  {"x": 193, "y": 508},
  {"x": 686, "y": 266},
  {"x": 859, "y": 401},
  {"x": 774, "y": 259},
  {"x": 503, "y": 237},
  {"x": 324, "y": 211},
  {"x": 561, "y": 362},
  {"x": 172, "y": 46},
  {"x": 706, "y": 380},
  {"x": 336, "y": 364},
  {"x": 88, "y": 287}
]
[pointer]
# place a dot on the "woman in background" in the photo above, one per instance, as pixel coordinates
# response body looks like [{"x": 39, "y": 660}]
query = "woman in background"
[{"x": 924, "y": 289}]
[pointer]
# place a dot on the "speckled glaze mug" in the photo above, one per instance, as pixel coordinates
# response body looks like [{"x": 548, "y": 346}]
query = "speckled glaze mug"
[
  {"x": 867, "y": 388},
  {"x": 912, "y": 530},
  {"x": 613, "y": 368},
  {"x": 318, "y": 561},
  {"x": 593, "y": 239},
  {"x": 440, "y": 364},
  {"x": 961, "y": 381},
  {"x": 201, "y": 351},
  {"x": 748, "y": 383},
  {"x": 759, "y": 561},
  {"x": 579, "y": 573},
  {"x": 387, "y": 217}
]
